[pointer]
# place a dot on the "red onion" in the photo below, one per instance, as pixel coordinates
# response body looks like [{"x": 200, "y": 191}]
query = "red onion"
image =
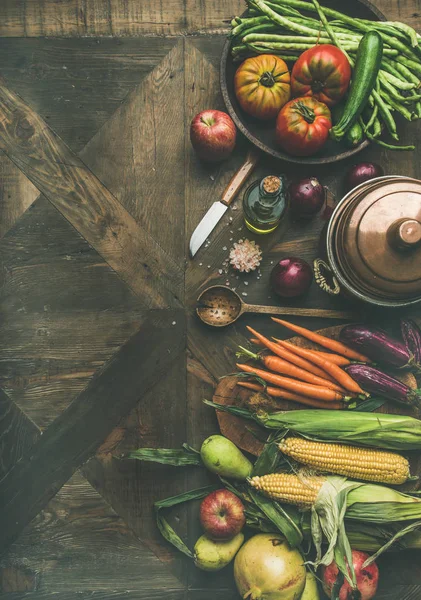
[
  {"x": 362, "y": 172},
  {"x": 306, "y": 197},
  {"x": 291, "y": 277}
]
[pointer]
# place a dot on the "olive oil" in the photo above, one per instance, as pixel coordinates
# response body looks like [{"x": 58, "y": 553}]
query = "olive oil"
[{"x": 264, "y": 204}]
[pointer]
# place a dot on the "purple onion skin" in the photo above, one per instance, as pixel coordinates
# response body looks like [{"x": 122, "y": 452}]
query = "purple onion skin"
[
  {"x": 306, "y": 197},
  {"x": 291, "y": 277},
  {"x": 411, "y": 335},
  {"x": 362, "y": 172},
  {"x": 376, "y": 382},
  {"x": 377, "y": 345}
]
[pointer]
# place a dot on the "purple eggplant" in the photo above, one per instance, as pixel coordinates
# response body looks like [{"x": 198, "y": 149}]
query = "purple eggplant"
[
  {"x": 376, "y": 382},
  {"x": 378, "y": 345},
  {"x": 411, "y": 335}
]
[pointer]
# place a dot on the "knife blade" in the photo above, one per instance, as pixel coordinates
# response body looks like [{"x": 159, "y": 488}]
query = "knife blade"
[{"x": 218, "y": 208}]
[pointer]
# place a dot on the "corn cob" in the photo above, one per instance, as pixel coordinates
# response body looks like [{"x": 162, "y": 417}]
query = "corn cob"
[
  {"x": 289, "y": 488},
  {"x": 351, "y": 461}
]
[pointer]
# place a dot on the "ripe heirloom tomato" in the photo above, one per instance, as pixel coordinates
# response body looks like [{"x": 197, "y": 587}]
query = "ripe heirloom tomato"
[
  {"x": 323, "y": 72},
  {"x": 262, "y": 86},
  {"x": 302, "y": 126}
]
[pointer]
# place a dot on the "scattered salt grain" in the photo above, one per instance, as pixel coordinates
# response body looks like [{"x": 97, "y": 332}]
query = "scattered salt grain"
[
  {"x": 224, "y": 248},
  {"x": 200, "y": 264},
  {"x": 212, "y": 177},
  {"x": 174, "y": 323},
  {"x": 220, "y": 271},
  {"x": 246, "y": 283},
  {"x": 244, "y": 293},
  {"x": 208, "y": 266},
  {"x": 230, "y": 219}
]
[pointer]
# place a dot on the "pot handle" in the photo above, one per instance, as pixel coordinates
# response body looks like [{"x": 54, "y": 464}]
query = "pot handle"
[{"x": 325, "y": 278}]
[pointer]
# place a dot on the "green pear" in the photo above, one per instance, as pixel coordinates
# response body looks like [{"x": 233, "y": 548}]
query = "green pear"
[
  {"x": 311, "y": 591},
  {"x": 222, "y": 457},
  {"x": 213, "y": 556}
]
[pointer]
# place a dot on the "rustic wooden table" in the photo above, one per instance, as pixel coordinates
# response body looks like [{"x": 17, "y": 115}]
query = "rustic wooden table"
[{"x": 100, "y": 350}]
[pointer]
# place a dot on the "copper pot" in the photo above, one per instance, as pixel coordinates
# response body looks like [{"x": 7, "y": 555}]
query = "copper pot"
[{"x": 373, "y": 242}]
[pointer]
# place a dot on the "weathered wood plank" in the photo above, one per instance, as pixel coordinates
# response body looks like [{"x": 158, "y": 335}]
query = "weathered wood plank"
[
  {"x": 167, "y": 594},
  {"x": 17, "y": 434},
  {"x": 89, "y": 206},
  {"x": 77, "y": 84},
  {"x": 64, "y": 313},
  {"x": 128, "y": 17},
  {"x": 131, "y": 487},
  {"x": 139, "y": 154},
  {"x": 17, "y": 193},
  {"x": 81, "y": 544},
  {"x": 79, "y": 430}
]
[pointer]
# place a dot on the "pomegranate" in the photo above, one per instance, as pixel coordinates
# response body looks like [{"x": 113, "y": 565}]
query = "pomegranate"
[{"x": 367, "y": 579}]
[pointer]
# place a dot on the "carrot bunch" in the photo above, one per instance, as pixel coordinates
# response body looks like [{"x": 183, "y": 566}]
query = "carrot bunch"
[{"x": 311, "y": 377}]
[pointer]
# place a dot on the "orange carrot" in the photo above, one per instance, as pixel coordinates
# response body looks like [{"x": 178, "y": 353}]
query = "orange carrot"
[
  {"x": 341, "y": 376},
  {"x": 341, "y": 361},
  {"x": 288, "y": 355},
  {"x": 279, "y": 365},
  {"x": 300, "y": 387},
  {"x": 290, "y": 396},
  {"x": 324, "y": 341}
]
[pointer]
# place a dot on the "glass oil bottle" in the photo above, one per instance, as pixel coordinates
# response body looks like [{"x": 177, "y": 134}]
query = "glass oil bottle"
[{"x": 265, "y": 203}]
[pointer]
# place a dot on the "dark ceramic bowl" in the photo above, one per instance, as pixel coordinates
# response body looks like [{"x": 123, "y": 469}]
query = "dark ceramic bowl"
[{"x": 262, "y": 134}]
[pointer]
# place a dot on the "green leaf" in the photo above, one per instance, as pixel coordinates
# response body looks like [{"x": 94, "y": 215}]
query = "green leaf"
[
  {"x": 166, "y": 456},
  {"x": 279, "y": 517},
  {"x": 165, "y": 528},
  {"x": 369, "y": 405},
  {"x": 400, "y": 534},
  {"x": 269, "y": 458}
]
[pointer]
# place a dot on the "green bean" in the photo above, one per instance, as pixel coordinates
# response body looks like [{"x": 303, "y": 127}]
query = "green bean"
[
  {"x": 377, "y": 128},
  {"x": 407, "y": 114},
  {"x": 414, "y": 66},
  {"x": 329, "y": 30},
  {"x": 246, "y": 23},
  {"x": 283, "y": 21},
  {"x": 403, "y": 70},
  {"x": 391, "y": 76},
  {"x": 359, "y": 24},
  {"x": 373, "y": 117},
  {"x": 407, "y": 30},
  {"x": 262, "y": 37},
  {"x": 386, "y": 145},
  {"x": 386, "y": 114},
  {"x": 257, "y": 29},
  {"x": 394, "y": 93},
  {"x": 418, "y": 109}
]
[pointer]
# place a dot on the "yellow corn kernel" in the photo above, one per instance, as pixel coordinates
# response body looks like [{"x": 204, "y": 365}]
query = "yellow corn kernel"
[
  {"x": 289, "y": 488},
  {"x": 367, "y": 464}
]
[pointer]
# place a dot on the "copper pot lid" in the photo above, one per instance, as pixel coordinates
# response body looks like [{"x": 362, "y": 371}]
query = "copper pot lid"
[{"x": 378, "y": 238}]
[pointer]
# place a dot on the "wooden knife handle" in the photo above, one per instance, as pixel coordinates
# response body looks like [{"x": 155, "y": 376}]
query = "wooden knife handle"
[{"x": 240, "y": 176}]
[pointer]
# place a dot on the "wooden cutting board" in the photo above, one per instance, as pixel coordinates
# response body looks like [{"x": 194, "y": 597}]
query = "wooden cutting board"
[{"x": 249, "y": 436}]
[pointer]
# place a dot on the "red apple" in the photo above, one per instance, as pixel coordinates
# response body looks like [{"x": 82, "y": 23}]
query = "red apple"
[
  {"x": 212, "y": 134},
  {"x": 367, "y": 578},
  {"x": 222, "y": 515}
]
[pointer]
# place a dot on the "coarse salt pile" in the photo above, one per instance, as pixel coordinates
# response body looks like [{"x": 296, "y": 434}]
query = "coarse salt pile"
[{"x": 245, "y": 256}]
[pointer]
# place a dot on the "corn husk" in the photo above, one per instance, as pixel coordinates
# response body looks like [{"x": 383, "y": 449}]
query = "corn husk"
[{"x": 392, "y": 432}]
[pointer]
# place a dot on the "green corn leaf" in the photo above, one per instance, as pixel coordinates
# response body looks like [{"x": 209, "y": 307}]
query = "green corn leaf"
[
  {"x": 165, "y": 528},
  {"x": 278, "y": 517},
  {"x": 167, "y": 456},
  {"x": 370, "y": 405}
]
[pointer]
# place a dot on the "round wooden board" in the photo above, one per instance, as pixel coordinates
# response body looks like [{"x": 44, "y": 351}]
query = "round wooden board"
[{"x": 247, "y": 435}]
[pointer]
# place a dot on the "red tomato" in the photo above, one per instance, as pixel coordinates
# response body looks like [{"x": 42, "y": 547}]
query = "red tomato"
[
  {"x": 323, "y": 72},
  {"x": 302, "y": 126}
]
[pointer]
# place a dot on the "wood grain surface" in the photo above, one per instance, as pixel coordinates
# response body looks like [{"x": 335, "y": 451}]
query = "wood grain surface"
[{"x": 100, "y": 350}]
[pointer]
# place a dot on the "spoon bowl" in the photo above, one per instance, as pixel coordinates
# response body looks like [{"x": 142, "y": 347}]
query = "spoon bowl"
[{"x": 220, "y": 306}]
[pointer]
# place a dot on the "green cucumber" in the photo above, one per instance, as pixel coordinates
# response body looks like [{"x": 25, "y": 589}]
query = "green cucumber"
[
  {"x": 355, "y": 134},
  {"x": 367, "y": 66}
]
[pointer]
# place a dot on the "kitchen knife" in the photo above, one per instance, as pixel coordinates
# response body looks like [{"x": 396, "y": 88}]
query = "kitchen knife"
[{"x": 217, "y": 210}]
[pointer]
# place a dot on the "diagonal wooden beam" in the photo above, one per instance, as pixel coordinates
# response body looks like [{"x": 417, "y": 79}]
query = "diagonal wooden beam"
[
  {"x": 87, "y": 204},
  {"x": 80, "y": 429}
]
